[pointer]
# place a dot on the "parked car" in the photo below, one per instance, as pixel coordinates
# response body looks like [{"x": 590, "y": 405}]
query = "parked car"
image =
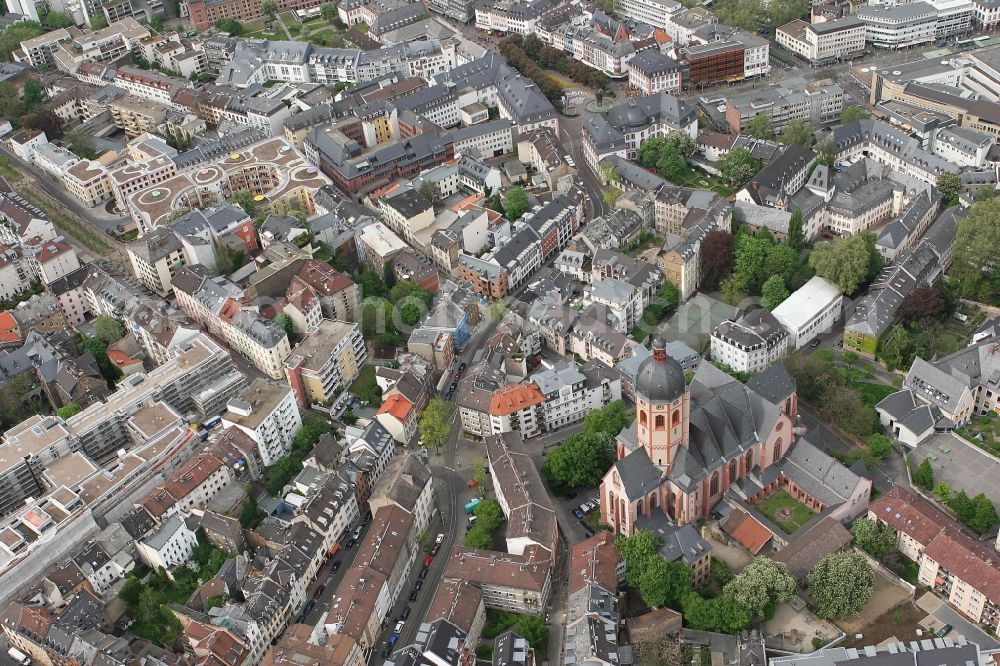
[
  {"x": 319, "y": 591},
  {"x": 413, "y": 595},
  {"x": 473, "y": 483},
  {"x": 405, "y": 614},
  {"x": 458, "y": 375},
  {"x": 439, "y": 538},
  {"x": 447, "y": 397},
  {"x": 419, "y": 584},
  {"x": 399, "y": 627},
  {"x": 387, "y": 650},
  {"x": 577, "y": 512},
  {"x": 454, "y": 385},
  {"x": 461, "y": 368},
  {"x": 335, "y": 567},
  {"x": 428, "y": 560},
  {"x": 423, "y": 572},
  {"x": 309, "y": 606},
  {"x": 350, "y": 543},
  {"x": 944, "y": 631},
  {"x": 435, "y": 549}
]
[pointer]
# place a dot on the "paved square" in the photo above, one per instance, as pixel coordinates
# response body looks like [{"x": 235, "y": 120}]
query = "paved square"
[{"x": 961, "y": 465}]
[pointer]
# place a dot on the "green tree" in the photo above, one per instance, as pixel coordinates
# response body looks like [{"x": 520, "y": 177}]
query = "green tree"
[
  {"x": 411, "y": 313},
  {"x": 98, "y": 22},
  {"x": 924, "y": 475},
  {"x": 845, "y": 262},
  {"x": 69, "y": 410},
  {"x": 229, "y": 259},
  {"x": 984, "y": 194},
  {"x": 11, "y": 37},
  {"x": 371, "y": 284},
  {"x": 943, "y": 491},
  {"x": 232, "y": 26},
  {"x": 328, "y": 11},
  {"x": 407, "y": 290},
  {"x": 156, "y": 23},
  {"x": 478, "y": 537},
  {"x": 750, "y": 258},
  {"x": 609, "y": 420},
  {"x": 108, "y": 329},
  {"x": 434, "y": 423},
  {"x": 761, "y": 586},
  {"x": 269, "y": 9},
  {"x": 895, "y": 348},
  {"x": 977, "y": 245},
  {"x": 535, "y": 630},
  {"x": 949, "y": 186},
  {"x": 56, "y": 20},
  {"x": 774, "y": 292},
  {"x": 671, "y": 165},
  {"x": 852, "y": 113},
  {"x": 429, "y": 190},
  {"x": 849, "y": 358},
  {"x": 760, "y": 127},
  {"x": 33, "y": 95},
  {"x": 131, "y": 592},
  {"x": 99, "y": 350},
  {"x": 985, "y": 514},
  {"x": 650, "y": 150},
  {"x": 799, "y": 132},
  {"x": 284, "y": 322},
  {"x": 879, "y": 448},
  {"x": 639, "y": 551},
  {"x": 245, "y": 200},
  {"x": 489, "y": 515},
  {"x": 738, "y": 166},
  {"x": 719, "y": 614},
  {"x": 876, "y": 541},
  {"x": 841, "y": 584},
  {"x": 664, "y": 583},
  {"x": 581, "y": 460},
  {"x": 681, "y": 142},
  {"x": 15, "y": 398},
  {"x": 515, "y": 203},
  {"x": 148, "y": 608},
  {"x": 481, "y": 476},
  {"x": 796, "y": 236}
]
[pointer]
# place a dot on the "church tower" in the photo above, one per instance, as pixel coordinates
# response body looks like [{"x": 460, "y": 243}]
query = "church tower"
[{"x": 662, "y": 405}]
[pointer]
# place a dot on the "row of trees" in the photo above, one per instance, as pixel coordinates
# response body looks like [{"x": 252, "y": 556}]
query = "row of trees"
[
  {"x": 841, "y": 584},
  {"x": 753, "y": 14},
  {"x": 525, "y": 53},
  {"x": 977, "y": 512},
  {"x": 584, "y": 458}
]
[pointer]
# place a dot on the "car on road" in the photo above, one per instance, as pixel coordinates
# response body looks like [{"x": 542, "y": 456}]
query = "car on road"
[
  {"x": 387, "y": 650},
  {"x": 447, "y": 396},
  {"x": 350, "y": 543},
  {"x": 308, "y": 607},
  {"x": 399, "y": 627},
  {"x": 472, "y": 483},
  {"x": 462, "y": 367},
  {"x": 419, "y": 584},
  {"x": 814, "y": 343},
  {"x": 439, "y": 538},
  {"x": 319, "y": 591},
  {"x": 428, "y": 560},
  {"x": 423, "y": 572},
  {"x": 944, "y": 631},
  {"x": 458, "y": 375},
  {"x": 435, "y": 549},
  {"x": 335, "y": 567},
  {"x": 405, "y": 614},
  {"x": 454, "y": 385},
  {"x": 413, "y": 595},
  {"x": 577, "y": 512}
]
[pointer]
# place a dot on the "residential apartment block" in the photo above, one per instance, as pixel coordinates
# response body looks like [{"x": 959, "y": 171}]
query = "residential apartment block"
[
  {"x": 267, "y": 412},
  {"x": 750, "y": 342},
  {"x": 824, "y": 42},
  {"x": 327, "y": 360}
]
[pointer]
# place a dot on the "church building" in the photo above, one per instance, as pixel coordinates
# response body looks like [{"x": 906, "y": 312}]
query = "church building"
[{"x": 690, "y": 443}]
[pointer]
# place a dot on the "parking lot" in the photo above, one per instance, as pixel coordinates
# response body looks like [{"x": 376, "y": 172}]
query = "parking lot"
[{"x": 963, "y": 466}]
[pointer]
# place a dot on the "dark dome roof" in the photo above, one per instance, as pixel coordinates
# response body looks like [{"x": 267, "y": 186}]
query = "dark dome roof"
[{"x": 660, "y": 377}]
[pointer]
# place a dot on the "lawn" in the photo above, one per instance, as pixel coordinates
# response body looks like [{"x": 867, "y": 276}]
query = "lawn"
[
  {"x": 800, "y": 513},
  {"x": 365, "y": 380},
  {"x": 872, "y": 394},
  {"x": 8, "y": 171},
  {"x": 984, "y": 432},
  {"x": 699, "y": 179}
]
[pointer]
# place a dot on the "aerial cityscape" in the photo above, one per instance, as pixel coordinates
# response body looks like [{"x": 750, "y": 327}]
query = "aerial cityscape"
[{"x": 499, "y": 332}]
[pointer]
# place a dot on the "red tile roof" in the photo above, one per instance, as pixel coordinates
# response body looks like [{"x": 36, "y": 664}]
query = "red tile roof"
[
  {"x": 965, "y": 559},
  {"x": 514, "y": 398},
  {"x": 751, "y": 534},
  {"x": 8, "y": 328},
  {"x": 594, "y": 560},
  {"x": 397, "y": 406},
  {"x": 905, "y": 512}
]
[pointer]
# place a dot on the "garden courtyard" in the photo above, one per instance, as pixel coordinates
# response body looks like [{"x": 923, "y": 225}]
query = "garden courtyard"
[{"x": 785, "y": 511}]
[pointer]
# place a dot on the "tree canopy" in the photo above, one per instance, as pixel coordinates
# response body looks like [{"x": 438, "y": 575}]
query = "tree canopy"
[
  {"x": 799, "y": 132},
  {"x": 515, "y": 203},
  {"x": 846, "y": 262},
  {"x": 841, "y": 584},
  {"x": 760, "y": 127},
  {"x": 875, "y": 540},
  {"x": 738, "y": 166},
  {"x": 852, "y": 113},
  {"x": 773, "y": 292},
  {"x": 762, "y": 585},
  {"x": 949, "y": 187},
  {"x": 434, "y": 423},
  {"x": 977, "y": 245}
]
